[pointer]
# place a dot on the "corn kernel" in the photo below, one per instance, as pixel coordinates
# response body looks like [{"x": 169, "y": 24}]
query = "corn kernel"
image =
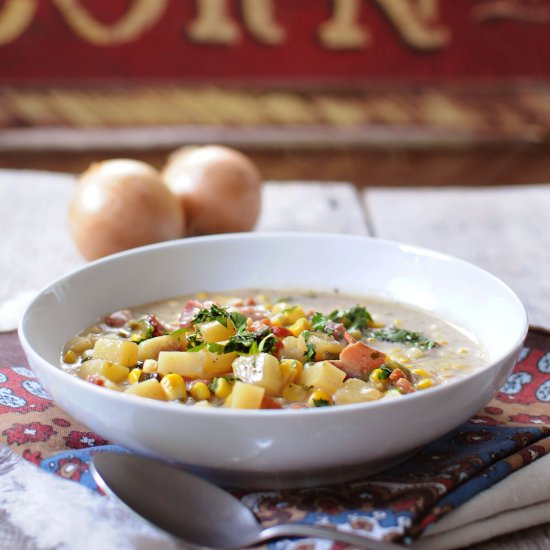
[
  {"x": 421, "y": 372},
  {"x": 287, "y": 314},
  {"x": 150, "y": 365},
  {"x": 70, "y": 357},
  {"x": 320, "y": 398},
  {"x": 222, "y": 388},
  {"x": 299, "y": 326},
  {"x": 199, "y": 391},
  {"x": 375, "y": 375},
  {"x": 173, "y": 386},
  {"x": 134, "y": 376},
  {"x": 425, "y": 383}
]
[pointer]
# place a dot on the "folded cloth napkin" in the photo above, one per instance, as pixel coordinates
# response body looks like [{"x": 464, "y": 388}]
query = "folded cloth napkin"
[{"x": 474, "y": 476}]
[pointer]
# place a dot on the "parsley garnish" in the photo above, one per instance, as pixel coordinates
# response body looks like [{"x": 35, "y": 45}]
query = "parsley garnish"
[
  {"x": 353, "y": 318},
  {"x": 247, "y": 342},
  {"x": 310, "y": 348},
  {"x": 239, "y": 320},
  {"x": 319, "y": 321},
  {"x": 402, "y": 336},
  {"x": 215, "y": 313}
]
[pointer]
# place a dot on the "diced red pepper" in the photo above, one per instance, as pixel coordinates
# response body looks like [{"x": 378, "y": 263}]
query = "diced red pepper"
[{"x": 270, "y": 403}]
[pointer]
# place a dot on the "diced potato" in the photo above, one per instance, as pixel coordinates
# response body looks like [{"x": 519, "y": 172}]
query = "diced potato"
[
  {"x": 214, "y": 331},
  {"x": 78, "y": 344},
  {"x": 195, "y": 364},
  {"x": 150, "y": 349},
  {"x": 262, "y": 370},
  {"x": 186, "y": 363},
  {"x": 148, "y": 388},
  {"x": 217, "y": 364},
  {"x": 290, "y": 369},
  {"x": 355, "y": 390},
  {"x": 113, "y": 372},
  {"x": 246, "y": 396},
  {"x": 122, "y": 352},
  {"x": 322, "y": 375},
  {"x": 294, "y": 393},
  {"x": 325, "y": 346},
  {"x": 293, "y": 348}
]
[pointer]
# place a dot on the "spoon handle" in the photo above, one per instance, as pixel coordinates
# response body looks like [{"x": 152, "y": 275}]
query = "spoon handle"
[{"x": 303, "y": 530}]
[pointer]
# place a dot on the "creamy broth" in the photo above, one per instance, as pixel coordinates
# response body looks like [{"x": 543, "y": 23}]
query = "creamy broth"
[{"x": 260, "y": 349}]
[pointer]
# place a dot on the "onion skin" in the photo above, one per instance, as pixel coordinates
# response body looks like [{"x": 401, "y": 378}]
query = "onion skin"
[
  {"x": 120, "y": 204},
  {"x": 219, "y": 189}
]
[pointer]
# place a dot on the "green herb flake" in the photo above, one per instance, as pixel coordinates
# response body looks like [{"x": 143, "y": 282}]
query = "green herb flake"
[
  {"x": 238, "y": 319},
  {"x": 310, "y": 347},
  {"x": 247, "y": 342},
  {"x": 402, "y": 336},
  {"x": 215, "y": 313},
  {"x": 215, "y": 347},
  {"x": 353, "y": 318},
  {"x": 319, "y": 321}
]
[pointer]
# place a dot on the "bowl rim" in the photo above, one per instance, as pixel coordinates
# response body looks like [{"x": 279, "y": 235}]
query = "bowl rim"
[{"x": 512, "y": 348}]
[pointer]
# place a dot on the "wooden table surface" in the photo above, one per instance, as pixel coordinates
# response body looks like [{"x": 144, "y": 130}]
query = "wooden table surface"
[{"x": 505, "y": 230}]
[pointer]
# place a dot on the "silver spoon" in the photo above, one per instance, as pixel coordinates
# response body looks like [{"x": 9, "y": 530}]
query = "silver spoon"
[{"x": 195, "y": 510}]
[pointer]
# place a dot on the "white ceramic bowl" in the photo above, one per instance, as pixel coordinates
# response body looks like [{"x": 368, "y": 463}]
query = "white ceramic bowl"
[{"x": 273, "y": 448}]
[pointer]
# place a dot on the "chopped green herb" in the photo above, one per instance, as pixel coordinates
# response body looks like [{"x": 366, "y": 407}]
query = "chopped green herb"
[
  {"x": 239, "y": 320},
  {"x": 319, "y": 321},
  {"x": 248, "y": 342},
  {"x": 310, "y": 347},
  {"x": 179, "y": 331},
  {"x": 215, "y": 313},
  {"x": 402, "y": 336},
  {"x": 353, "y": 318},
  {"x": 198, "y": 347},
  {"x": 215, "y": 347}
]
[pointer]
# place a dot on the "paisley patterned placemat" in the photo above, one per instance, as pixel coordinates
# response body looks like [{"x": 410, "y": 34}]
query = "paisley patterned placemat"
[{"x": 511, "y": 432}]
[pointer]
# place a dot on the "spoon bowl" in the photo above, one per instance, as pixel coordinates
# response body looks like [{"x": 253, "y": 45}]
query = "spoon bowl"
[{"x": 195, "y": 510}]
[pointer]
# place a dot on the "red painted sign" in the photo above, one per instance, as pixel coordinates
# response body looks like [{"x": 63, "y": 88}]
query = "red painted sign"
[{"x": 273, "y": 40}]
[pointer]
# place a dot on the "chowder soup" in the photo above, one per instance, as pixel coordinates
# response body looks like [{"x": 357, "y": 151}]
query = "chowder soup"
[{"x": 256, "y": 350}]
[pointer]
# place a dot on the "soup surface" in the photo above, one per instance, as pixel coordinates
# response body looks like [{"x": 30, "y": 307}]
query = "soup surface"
[{"x": 257, "y": 349}]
